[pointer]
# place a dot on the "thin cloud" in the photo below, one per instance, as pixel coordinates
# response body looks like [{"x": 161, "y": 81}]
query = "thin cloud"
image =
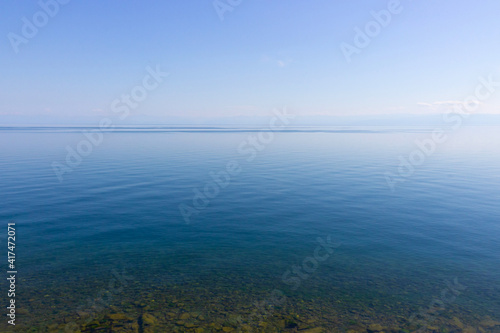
[
  {"x": 284, "y": 63},
  {"x": 446, "y": 105},
  {"x": 281, "y": 62},
  {"x": 244, "y": 107}
]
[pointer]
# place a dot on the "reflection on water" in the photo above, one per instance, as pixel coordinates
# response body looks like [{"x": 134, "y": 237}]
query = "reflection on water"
[{"x": 107, "y": 249}]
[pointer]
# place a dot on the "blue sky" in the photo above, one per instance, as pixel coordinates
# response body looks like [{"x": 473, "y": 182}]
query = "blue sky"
[{"x": 264, "y": 54}]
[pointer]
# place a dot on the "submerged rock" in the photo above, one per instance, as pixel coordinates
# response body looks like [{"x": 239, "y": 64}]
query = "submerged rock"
[
  {"x": 314, "y": 330},
  {"x": 184, "y": 316},
  {"x": 489, "y": 323},
  {"x": 119, "y": 317},
  {"x": 375, "y": 328},
  {"x": 456, "y": 322},
  {"x": 149, "y": 319}
]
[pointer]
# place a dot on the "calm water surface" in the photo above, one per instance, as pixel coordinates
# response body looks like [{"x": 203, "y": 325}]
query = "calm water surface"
[{"x": 107, "y": 249}]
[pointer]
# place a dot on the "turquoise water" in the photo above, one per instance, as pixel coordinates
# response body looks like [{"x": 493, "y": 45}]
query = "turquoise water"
[{"x": 107, "y": 248}]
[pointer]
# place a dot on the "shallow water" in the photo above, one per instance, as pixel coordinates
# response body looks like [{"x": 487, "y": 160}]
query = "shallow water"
[{"x": 107, "y": 249}]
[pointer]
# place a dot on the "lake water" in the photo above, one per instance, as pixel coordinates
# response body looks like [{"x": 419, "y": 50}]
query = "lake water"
[{"x": 199, "y": 230}]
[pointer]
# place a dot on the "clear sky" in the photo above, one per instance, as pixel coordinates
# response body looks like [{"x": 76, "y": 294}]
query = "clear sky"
[{"x": 262, "y": 55}]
